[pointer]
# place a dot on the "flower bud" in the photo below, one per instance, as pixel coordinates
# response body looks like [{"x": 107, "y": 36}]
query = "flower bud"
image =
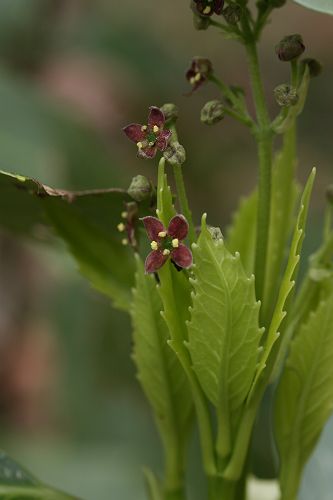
[
  {"x": 212, "y": 112},
  {"x": 290, "y": 47},
  {"x": 285, "y": 95},
  {"x": 329, "y": 194},
  {"x": 175, "y": 154},
  {"x": 170, "y": 111},
  {"x": 232, "y": 13},
  {"x": 215, "y": 233},
  {"x": 200, "y": 22},
  {"x": 140, "y": 188},
  {"x": 315, "y": 68}
]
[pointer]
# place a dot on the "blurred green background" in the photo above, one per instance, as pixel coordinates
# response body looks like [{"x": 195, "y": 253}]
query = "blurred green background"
[{"x": 72, "y": 74}]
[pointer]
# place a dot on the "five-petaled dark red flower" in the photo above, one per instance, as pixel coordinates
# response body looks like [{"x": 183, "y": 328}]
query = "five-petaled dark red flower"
[
  {"x": 151, "y": 137},
  {"x": 199, "y": 72},
  {"x": 209, "y": 7},
  {"x": 166, "y": 243}
]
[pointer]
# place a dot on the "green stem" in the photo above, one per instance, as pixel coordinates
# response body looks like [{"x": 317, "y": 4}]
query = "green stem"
[
  {"x": 175, "y": 495},
  {"x": 265, "y": 138},
  {"x": 220, "y": 489},
  {"x": 181, "y": 192}
]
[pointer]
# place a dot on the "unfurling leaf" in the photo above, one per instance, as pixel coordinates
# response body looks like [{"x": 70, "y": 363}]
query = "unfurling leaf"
[
  {"x": 161, "y": 376},
  {"x": 224, "y": 331},
  {"x": 305, "y": 395}
]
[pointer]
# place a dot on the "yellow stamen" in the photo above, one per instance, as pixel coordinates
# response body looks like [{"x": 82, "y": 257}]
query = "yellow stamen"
[
  {"x": 151, "y": 144},
  {"x": 124, "y": 215},
  {"x": 192, "y": 80},
  {"x": 121, "y": 227},
  {"x": 124, "y": 242},
  {"x": 154, "y": 245},
  {"x": 207, "y": 10},
  {"x": 175, "y": 243},
  {"x": 197, "y": 77},
  {"x": 162, "y": 234},
  {"x": 155, "y": 129},
  {"x": 166, "y": 252},
  {"x": 144, "y": 128},
  {"x": 140, "y": 145}
]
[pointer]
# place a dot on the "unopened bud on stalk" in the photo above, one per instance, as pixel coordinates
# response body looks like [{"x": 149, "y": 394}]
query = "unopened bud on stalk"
[
  {"x": 140, "y": 188},
  {"x": 232, "y": 13},
  {"x": 175, "y": 154},
  {"x": 315, "y": 68},
  {"x": 285, "y": 95},
  {"x": 170, "y": 112},
  {"x": 290, "y": 47},
  {"x": 329, "y": 193},
  {"x": 212, "y": 112}
]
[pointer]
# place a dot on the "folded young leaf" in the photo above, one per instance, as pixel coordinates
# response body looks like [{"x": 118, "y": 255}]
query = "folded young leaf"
[
  {"x": 224, "y": 331},
  {"x": 17, "y": 483},
  {"x": 87, "y": 221},
  {"x": 288, "y": 282},
  {"x": 241, "y": 234},
  {"x": 160, "y": 373},
  {"x": 305, "y": 395}
]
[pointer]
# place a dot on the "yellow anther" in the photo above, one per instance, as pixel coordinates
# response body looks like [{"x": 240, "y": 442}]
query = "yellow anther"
[
  {"x": 197, "y": 77},
  {"x": 151, "y": 143},
  {"x": 144, "y": 128},
  {"x": 124, "y": 241},
  {"x": 192, "y": 80},
  {"x": 166, "y": 252},
  {"x": 207, "y": 10},
  {"x": 155, "y": 129},
  {"x": 121, "y": 227},
  {"x": 175, "y": 243},
  {"x": 124, "y": 215},
  {"x": 162, "y": 234},
  {"x": 140, "y": 145},
  {"x": 154, "y": 245}
]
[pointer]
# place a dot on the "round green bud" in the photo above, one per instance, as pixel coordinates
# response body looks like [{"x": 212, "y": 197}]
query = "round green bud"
[
  {"x": 212, "y": 112},
  {"x": 140, "y": 188},
  {"x": 290, "y": 47},
  {"x": 175, "y": 154},
  {"x": 315, "y": 68},
  {"x": 170, "y": 111},
  {"x": 285, "y": 95},
  {"x": 232, "y": 13}
]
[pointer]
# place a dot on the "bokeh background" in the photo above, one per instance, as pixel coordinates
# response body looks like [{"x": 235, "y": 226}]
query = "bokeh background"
[{"x": 72, "y": 74}]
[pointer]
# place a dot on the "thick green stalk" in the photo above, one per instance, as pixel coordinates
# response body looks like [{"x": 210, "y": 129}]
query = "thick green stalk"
[
  {"x": 220, "y": 489},
  {"x": 175, "y": 495},
  {"x": 264, "y": 138}
]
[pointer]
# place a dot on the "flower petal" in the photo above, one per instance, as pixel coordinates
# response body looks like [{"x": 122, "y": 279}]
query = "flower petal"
[
  {"x": 156, "y": 117},
  {"x": 155, "y": 261},
  {"x": 147, "y": 152},
  {"x": 218, "y": 6},
  {"x": 153, "y": 226},
  {"x": 134, "y": 132},
  {"x": 182, "y": 256},
  {"x": 178, "y": 227},
  {"x": 163, "y": 139}
]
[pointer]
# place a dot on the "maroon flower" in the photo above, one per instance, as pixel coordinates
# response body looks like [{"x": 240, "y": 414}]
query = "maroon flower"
[
  {"x": 207, "y": 8},
  {"x": 149, "y": 138},
  {"x": 199, "y": 72},
  {"x": 166, "y": 243}
]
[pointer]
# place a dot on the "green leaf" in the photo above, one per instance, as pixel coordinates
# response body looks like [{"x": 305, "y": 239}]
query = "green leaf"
[
  {"x": 224, "y": 331},
  {"x": 87, "y": 221},
  {"x": 325, "y": 6},
  {"x": 153, "y": 486},
  {"x": 16, "y": 483},
  {"x": 241, "y": 234},
  {"x": 305, "y": 395},
  {"x": 284, "y": 195},
  {"x": 161, "y": 376},
  {"x": 288, "y": 282}
]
